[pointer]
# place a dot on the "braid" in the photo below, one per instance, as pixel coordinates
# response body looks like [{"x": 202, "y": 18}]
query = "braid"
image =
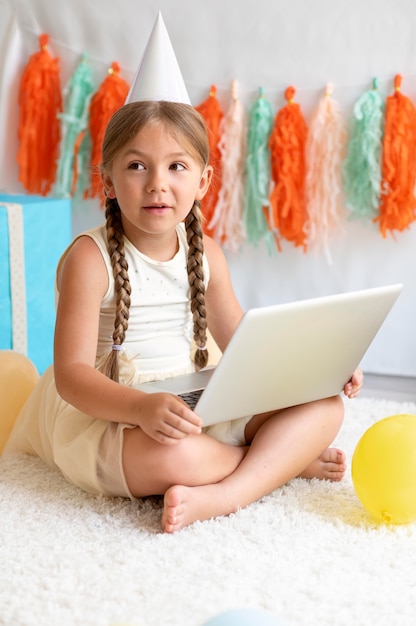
[
  {"x": 122, "y": 284},
  {"x": 196, "y": 283}
]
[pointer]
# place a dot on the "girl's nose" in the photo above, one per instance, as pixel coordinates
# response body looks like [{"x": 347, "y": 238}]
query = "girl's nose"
[{"x": 156, "y": 181}]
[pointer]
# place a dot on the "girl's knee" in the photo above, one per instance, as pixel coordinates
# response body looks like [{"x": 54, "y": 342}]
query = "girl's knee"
[
  {"x": 336, "y": 409},
  {"x": 147, "y": 464},
  {"x": 336, "y": 403},
  {"x": 151, "y": 467}
]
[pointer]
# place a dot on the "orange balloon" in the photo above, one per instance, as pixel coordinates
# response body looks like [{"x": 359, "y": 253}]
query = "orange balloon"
[{"x": 18, "y": 376}]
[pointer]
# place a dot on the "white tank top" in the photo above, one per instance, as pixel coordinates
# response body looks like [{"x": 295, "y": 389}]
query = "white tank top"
[{"x": 159, "y": 336}]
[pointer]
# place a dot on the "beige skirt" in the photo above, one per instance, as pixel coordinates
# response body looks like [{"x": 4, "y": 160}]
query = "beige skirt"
[{"x": 86, "y": 450}]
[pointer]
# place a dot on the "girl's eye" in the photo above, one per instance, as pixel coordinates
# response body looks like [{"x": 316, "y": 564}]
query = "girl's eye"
[
  {"x": 135, "y": 166},
  {"x": 178, "y": 167}
]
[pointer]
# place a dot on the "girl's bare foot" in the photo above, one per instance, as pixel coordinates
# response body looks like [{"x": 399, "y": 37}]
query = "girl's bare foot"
[
  {"x": 331, "y": 465},
  {"x": 185, "y": 505}
]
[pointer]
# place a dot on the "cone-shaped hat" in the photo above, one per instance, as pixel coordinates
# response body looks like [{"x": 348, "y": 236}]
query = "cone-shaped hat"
[{"x": 158, "y": 76}]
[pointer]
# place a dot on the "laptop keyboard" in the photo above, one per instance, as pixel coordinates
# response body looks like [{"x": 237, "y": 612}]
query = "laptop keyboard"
[{"x": 191, "y": 397}]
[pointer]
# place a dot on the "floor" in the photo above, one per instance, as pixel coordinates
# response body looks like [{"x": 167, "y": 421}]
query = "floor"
[{"x": 400, "y": 388}]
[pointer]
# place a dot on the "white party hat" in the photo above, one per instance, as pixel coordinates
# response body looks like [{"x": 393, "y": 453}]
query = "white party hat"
[{"x": 158, "y": 76}]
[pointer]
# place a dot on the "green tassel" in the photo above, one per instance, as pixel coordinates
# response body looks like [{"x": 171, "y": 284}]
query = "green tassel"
[
  {"x": 362, "y": 166},
  {"x": 258, "y": 172},
  {"x": 84, "y": 166},
  {"x": 74, "y": 120}
]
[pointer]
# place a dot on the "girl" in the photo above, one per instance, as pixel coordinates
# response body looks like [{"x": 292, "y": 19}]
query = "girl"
[{"x": 132, "y": 296}]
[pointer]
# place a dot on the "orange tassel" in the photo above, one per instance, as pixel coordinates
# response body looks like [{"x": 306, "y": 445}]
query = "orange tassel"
[
  {"x": 287, "y": 142},
  {"x": 110, "y": 96},
  {"x": 211, "y": 112},
  {"x": 397, "y": 201},
  {"x": 39, "y": 134}
]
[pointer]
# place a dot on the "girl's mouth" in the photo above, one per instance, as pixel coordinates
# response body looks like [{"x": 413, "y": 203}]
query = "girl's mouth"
[{"x": 157, "y": 209}]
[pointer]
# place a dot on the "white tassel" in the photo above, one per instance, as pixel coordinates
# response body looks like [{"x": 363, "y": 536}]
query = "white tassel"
[
  {"x": 324, "y": 154},
  {"x": 227, "y": 220}
]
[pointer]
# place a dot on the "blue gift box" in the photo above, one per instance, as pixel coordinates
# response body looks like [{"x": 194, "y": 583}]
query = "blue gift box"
[{"x": 34, "y": 232}]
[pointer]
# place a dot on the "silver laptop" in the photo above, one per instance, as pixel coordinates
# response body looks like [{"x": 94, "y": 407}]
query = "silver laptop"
[{"x": 286, "y": 354}]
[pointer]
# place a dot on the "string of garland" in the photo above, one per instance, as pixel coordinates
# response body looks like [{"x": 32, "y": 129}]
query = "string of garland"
[{"x": 275, "y": 178}]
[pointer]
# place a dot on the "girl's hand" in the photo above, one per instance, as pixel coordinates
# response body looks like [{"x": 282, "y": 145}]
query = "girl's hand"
[
  {"x": 166, "y": 418},
  {"x": 353, "y": 386}
]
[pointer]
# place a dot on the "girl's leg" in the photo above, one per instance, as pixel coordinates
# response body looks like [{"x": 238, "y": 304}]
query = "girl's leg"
[
  {"x": 330, "y": 464},
  {"x": 150, "y": 468},
  {"x": 283, "y": 445}
]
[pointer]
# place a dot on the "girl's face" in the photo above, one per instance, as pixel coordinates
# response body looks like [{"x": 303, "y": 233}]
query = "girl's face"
[{"x": 155, "y": 180}]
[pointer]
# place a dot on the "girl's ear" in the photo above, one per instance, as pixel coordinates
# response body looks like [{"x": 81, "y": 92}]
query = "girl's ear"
[
  {"x": 204, "y": 182},
  {"x": 108, "y": 186}
]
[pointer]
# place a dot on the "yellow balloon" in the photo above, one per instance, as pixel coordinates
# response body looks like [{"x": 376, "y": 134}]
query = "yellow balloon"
[
  {"x": 384, "y": 469},
  {"x": 18, "y": 376}
]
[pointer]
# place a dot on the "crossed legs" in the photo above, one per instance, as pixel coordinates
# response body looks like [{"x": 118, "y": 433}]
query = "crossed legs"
[{"x": 203, "y": 478}]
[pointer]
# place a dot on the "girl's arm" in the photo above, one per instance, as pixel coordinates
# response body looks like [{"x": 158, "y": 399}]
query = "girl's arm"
[
  {"x": 223, "y": 309},
  {"x": 82, "y": 284}
]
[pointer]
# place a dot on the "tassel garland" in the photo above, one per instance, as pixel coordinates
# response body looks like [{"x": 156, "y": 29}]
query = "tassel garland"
[
  {"x": 274, "y": 178},
  {"x": 40, "y": 102},
  {"x": 398, "y": 203},
  {"x": 227, "y": 224},
  {"x": 287, "y": 148}
]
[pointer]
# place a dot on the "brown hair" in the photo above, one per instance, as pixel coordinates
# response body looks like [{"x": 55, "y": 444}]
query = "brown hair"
[{"x": 188, "y": 127}]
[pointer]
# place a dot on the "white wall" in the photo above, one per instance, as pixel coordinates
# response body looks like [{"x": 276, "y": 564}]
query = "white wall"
[{"x": 268, "y": 43}]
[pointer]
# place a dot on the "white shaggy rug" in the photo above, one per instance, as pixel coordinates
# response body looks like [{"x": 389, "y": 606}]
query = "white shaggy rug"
[{"x": 309, "y": 552}]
